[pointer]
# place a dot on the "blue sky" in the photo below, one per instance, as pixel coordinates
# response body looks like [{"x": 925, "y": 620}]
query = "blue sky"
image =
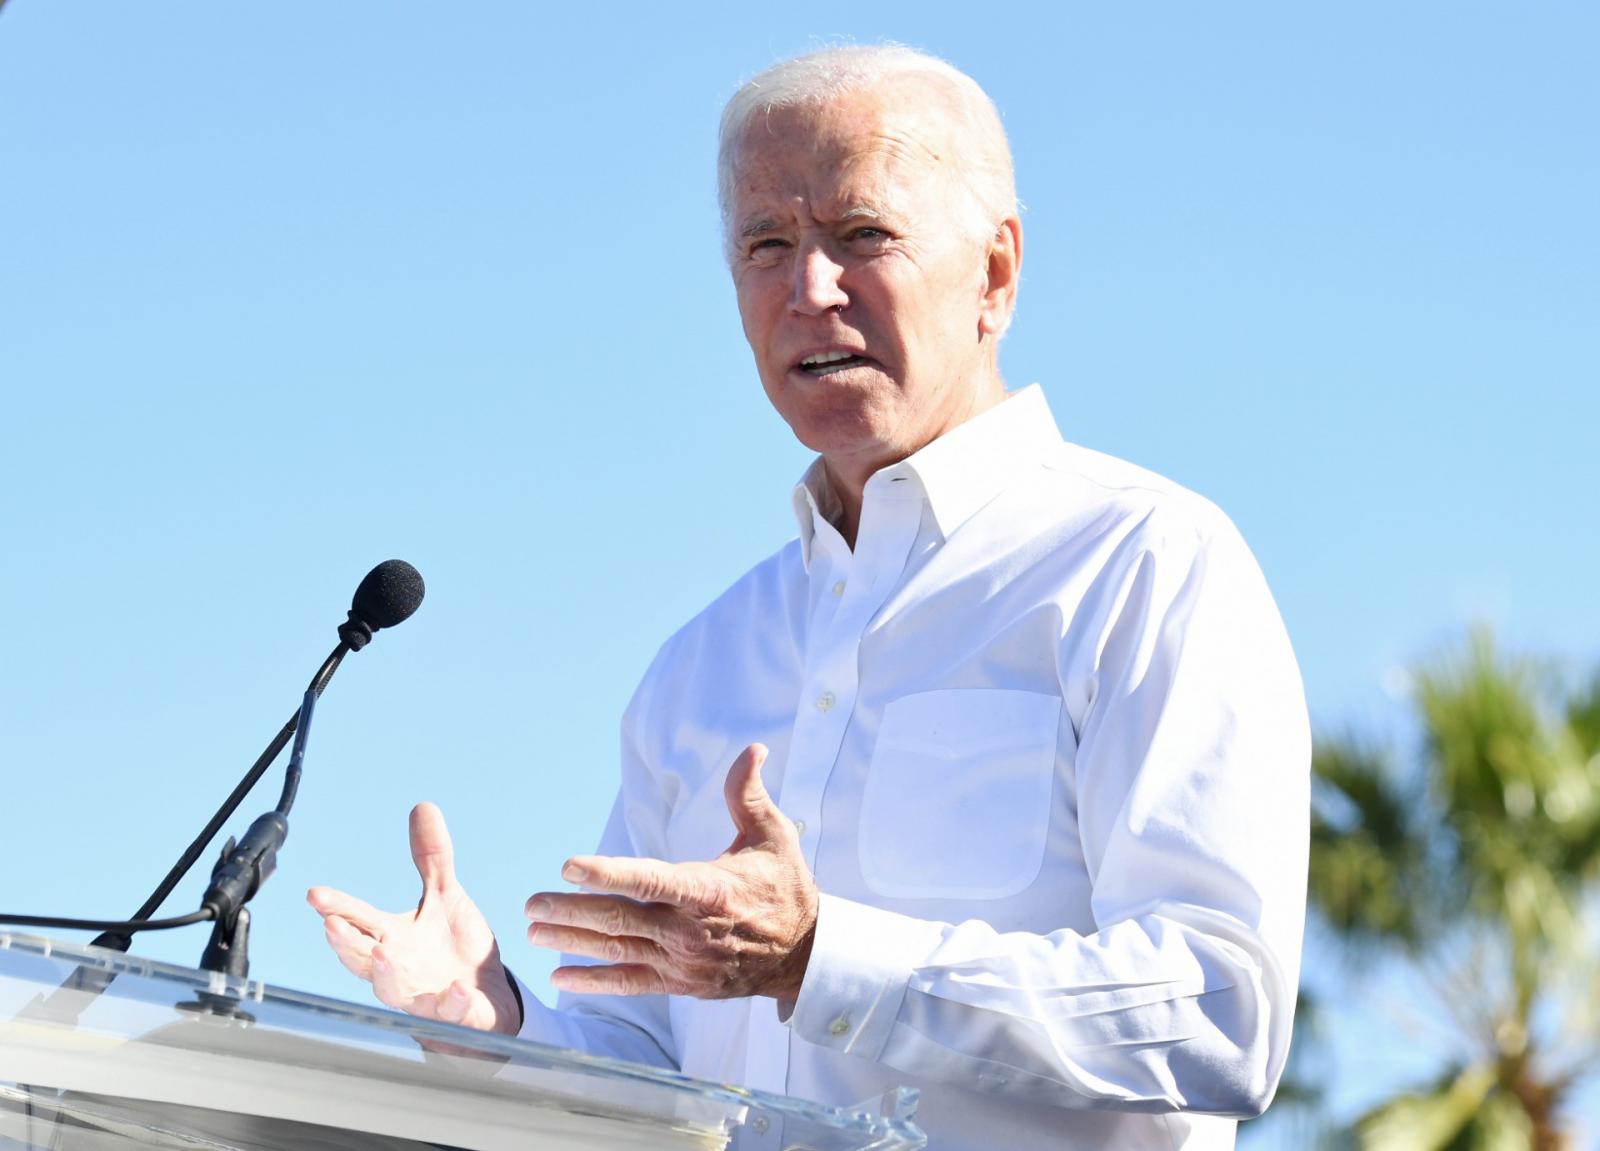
[{"x": 289, "y": 289}]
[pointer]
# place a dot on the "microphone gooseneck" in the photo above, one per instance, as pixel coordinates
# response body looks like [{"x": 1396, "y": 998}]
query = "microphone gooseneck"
[{"x": 386, "y": 596}]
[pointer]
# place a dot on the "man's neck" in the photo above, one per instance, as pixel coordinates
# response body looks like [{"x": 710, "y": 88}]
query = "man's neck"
[{"x": 848, "y": 476}]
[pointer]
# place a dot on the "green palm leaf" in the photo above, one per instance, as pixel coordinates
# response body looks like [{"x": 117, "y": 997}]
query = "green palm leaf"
[{"x": 1476, "y": 860}]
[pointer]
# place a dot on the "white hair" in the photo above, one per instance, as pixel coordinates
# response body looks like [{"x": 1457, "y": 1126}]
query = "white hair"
[{"x": 983, "y": 159}]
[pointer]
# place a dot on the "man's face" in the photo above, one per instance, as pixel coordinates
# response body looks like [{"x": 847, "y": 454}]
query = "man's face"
[{"x": 866, "y": 304}]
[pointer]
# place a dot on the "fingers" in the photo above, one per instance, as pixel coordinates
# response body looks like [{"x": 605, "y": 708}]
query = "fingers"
[
  {"x": 327, "y": 901},
  {"x": 431, "y": 849},
  {"x": 601, "y": 914},
  {"x": 594, "y": 945},
  {"x": 354, "y": 948},
  {"x": 755, "y": 816},
  {"x": 688, "y": 885},
  {"x": 626, "y": 979}
]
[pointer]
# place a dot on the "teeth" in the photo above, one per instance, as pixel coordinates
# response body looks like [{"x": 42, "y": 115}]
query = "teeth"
[{"x": 826, "y": 358}]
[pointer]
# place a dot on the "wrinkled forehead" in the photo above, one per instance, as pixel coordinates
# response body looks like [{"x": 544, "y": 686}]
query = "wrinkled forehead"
[{"x": 877, "y": 149}]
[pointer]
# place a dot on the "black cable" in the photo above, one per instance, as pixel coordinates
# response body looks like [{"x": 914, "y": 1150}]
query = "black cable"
[
  {"x": 297, "y": 755},
  {"x": 122, "y": 940},
  {"x": 128, "y": 925}
]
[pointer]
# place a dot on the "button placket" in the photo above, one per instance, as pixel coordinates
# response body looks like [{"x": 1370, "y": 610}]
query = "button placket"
[
  {"x": 833, "y": 662},
  {"x": 821, "y": 726}
]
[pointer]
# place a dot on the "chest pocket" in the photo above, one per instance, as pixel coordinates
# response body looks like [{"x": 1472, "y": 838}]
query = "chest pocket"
[{"x": 957, "y": 798}]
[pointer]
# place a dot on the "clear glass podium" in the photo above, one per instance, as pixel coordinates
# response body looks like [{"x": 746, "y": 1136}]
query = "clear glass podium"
[{"x": 107, "y": 1052}]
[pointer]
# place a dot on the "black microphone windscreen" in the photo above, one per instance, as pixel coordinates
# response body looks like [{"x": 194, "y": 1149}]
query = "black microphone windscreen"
[{"x": 388, "y": 595}]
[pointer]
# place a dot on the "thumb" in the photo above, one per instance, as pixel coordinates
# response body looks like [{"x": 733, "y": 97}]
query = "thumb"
[
  {"x": 755, "y": 816},
  {"x": 431, "y": 850}
]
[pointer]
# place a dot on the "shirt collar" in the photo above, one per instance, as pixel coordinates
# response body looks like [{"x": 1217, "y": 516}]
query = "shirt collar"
[
  {"x": 960, "y": 471},
  {"x": 814, "y": 503}
]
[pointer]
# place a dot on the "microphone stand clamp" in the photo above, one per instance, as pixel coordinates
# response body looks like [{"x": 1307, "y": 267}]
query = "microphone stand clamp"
[{"x": 227, "y": 953}]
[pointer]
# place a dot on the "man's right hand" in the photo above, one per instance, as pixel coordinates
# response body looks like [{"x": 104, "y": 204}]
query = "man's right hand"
[{"x": 439, "y": 961}]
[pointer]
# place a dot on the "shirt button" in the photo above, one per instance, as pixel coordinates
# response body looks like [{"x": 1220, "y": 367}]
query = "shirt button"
[
  {"x": 799, "y": 827},
  {"x": 839, "y": 1026},
  {"x": 838, "y": 588},
  {"x": 825, "y": 701}
]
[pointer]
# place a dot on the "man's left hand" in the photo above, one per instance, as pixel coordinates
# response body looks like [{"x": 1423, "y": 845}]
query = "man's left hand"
[{"x": 738, "y": 925}]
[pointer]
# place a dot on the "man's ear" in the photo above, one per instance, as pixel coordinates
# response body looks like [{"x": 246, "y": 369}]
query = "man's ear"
[{"x": 1002, "y": 267}]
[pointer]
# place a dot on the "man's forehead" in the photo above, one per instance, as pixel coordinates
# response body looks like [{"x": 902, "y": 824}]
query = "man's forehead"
[
  {"x": 844, "y": 130},
  {"x": 842, "y": 161}
]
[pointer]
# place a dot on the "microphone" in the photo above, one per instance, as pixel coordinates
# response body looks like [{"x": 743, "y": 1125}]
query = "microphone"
[
  {"x": 389, "y": 594},
  {"x": 386, "y": 596}
]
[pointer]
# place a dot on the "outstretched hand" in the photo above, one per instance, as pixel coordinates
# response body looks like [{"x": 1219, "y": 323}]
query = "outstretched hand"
[
  {"x": 439, "y": 961},
  {"x": 740, "y": 924}
]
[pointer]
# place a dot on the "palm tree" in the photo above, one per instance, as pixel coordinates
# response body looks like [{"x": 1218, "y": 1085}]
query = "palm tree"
[{"x": 1476, "y": 862}]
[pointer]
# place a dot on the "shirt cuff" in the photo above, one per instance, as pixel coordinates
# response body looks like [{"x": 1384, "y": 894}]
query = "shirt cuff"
[
  {"x": 529, "y": 1002},
  {"x": 862, "y": 958}
]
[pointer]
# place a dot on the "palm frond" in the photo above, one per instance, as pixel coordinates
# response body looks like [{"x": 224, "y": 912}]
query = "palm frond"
[
  {"x": 1428, "y": 1120},
  {"x": 1475, "y": 863},
  {"x": 1369, "y": 852}
]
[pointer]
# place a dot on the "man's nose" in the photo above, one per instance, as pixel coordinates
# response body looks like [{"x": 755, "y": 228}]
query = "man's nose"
[{"x": 816, "y": 286}]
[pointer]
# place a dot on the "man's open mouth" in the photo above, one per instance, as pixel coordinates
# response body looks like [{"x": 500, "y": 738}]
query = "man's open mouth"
[{"x": 826, "y": 363}]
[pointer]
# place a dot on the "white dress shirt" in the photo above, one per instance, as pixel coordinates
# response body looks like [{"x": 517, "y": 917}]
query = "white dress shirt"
[{"x": 1045, "y": 741}]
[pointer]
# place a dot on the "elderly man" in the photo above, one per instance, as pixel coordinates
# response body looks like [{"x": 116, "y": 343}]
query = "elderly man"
[{"x": 1018, "y": 797}]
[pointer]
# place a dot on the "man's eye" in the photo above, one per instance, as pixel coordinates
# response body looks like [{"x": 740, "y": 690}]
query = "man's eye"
[
  {"x": 769, "y": 244},
  {"x": 868, "y": 235}
]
